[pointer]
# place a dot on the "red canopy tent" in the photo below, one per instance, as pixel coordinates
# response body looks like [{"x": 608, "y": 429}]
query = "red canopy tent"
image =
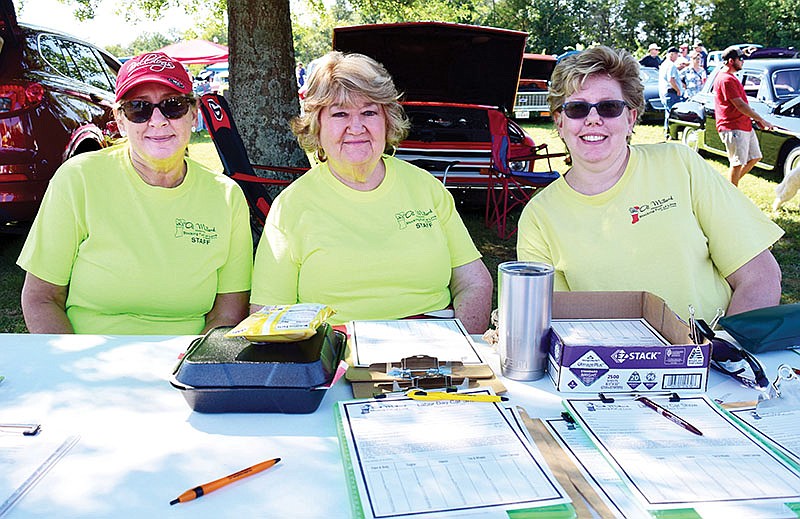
[{"x": 196, "y": 52}]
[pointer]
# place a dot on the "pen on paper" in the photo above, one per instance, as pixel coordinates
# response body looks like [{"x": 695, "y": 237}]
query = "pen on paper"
[
  {"x": 194, "y": 493},
  {"x": 416, "y": 394},
  {"x": 669, "y": 415}
]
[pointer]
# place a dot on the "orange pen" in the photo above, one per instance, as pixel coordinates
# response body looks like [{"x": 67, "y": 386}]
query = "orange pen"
[{"x": 202, "y": 490}]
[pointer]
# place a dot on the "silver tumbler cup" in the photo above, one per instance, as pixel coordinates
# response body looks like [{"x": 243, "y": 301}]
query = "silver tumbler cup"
[{"x": 524, "y": 301}]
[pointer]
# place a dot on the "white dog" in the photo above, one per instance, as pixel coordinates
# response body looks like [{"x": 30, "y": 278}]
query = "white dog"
[{"x": 786, "y": 189}]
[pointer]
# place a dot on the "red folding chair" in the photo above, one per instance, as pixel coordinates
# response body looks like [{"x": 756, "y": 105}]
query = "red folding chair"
[
  {"x": 508, "y": 190},
  {"x": 236, "y": 164}
]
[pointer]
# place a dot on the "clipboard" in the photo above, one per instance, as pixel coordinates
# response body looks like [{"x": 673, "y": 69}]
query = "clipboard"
[
  {"x": 648, "y": 451},
  {"x": 386, "y": 472},
  {"x": 420, "y": 372}
]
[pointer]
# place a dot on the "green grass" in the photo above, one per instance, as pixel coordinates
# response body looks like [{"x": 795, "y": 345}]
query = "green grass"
[{"x": 759, "y": 187}]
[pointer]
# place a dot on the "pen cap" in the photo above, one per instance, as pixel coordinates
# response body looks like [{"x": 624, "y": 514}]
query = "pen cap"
[{"x": 524, "y": 307}]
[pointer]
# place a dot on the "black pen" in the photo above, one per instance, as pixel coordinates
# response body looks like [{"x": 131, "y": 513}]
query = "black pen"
[{"x": 669, "y": 415}]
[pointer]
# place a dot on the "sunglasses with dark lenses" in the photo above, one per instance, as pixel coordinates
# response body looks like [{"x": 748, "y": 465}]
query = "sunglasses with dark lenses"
[
  {"x": 581, "y": 109},
  {"x": 140, "y": 111},
  {"x": 738, "y": 363}
]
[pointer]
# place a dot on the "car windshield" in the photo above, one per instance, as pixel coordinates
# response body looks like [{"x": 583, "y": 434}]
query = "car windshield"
[
  {"x": 786, "y": 83},
  {"x": 648, "y": 74}
]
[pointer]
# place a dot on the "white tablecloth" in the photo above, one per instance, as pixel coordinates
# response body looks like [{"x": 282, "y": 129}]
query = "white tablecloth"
[{"x": 141, "y": 445}]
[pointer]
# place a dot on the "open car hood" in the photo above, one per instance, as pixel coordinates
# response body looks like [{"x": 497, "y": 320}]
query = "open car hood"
[
  {"x": 537, "y": 66},
  {"x": 442, "y": 62}
]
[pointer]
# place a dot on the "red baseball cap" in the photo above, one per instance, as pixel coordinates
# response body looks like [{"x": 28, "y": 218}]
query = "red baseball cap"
[{"x": 152, "y": 67}]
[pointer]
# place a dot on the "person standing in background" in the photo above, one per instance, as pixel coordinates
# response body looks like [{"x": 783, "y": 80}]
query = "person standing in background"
[
  {"x": 733, "y": 116},
  {"x": 651, "y": 60},
  {"x": 669, "y": 85},
  {"x": 698, "y": 47},
  {"x": 300, "y": 74},
  {"x": 694, "y": 76}
]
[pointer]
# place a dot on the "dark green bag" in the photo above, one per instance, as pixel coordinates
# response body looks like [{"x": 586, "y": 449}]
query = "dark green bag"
[{"x": 765, "y": 329}]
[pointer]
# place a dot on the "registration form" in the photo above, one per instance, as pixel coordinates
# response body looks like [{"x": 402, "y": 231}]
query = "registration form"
[
  {"x": 666, "y": 466},
  {"x": 410, "y": 458},
  {"x": 390, "y": 341},
  {"x": 778, "y": 425}
]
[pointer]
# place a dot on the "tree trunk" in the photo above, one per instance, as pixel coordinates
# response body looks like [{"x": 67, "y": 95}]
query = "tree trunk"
[{"x": 263, "y": 88}]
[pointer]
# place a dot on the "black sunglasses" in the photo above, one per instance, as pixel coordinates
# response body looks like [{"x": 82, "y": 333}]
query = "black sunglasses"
[
  {"x": 737, "y": 363},
  {"x": 581, "y": 109},
  {"x": 140, "y": 111}
]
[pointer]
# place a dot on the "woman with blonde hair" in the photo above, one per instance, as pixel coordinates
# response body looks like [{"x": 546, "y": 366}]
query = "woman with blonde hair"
[{"x": 370, "y": 235}]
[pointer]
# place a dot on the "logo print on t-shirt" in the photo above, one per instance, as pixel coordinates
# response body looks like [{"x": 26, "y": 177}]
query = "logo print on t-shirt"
[
  {"x": 654, "y": 206},
  {"x": 195, "y": 232},
  {"x": 416, "y": 219}
]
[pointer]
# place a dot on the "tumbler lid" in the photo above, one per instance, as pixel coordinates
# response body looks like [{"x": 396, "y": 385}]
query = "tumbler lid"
[{"x": 525, "y": 268}]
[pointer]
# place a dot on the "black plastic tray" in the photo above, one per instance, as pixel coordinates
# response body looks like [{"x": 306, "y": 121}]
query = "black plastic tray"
[{"x": 232, "y": 375}]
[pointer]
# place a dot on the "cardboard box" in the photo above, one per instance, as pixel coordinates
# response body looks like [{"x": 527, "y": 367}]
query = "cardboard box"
[{"x": 581, "y": 368}]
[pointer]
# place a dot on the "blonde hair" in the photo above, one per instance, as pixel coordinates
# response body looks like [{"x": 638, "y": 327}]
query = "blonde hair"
[
  {"x": 572, "y": 72},
  {"x": 338, "y": 79}
]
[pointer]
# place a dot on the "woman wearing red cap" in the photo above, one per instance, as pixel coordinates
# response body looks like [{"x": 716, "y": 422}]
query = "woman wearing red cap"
[{"x": 138, "y": 238}]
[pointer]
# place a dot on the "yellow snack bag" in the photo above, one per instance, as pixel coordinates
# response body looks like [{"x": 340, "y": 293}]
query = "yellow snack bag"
[{"x": 282, "y": 323}]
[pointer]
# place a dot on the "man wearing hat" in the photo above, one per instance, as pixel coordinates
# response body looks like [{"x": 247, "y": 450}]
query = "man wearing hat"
[
  {"x": 670, "y": 88},
  {"x": 733, "y": 115},
  {"x": 652, "y": 59}
]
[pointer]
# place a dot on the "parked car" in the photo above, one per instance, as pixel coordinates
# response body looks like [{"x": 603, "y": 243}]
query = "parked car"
[
  {"x": 220, "y": 84},
  {"x": 773, "y": 90},
  {"x": 774, "y": 52},
  {"x": 713, "y": 60},
  {"x": 534, "y": 79},
  {"x": 56, "y": 98},
  {"x": 458, "y": 83},
  {"x": 653, "y": 107}
]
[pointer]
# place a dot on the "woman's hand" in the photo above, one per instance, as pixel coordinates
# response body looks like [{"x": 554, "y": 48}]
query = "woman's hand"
[
  {"x": 756, "y": 284},
  {"x": 471, "y": 290},
  {"x": 44, "y": 306},
  {"x": 228, "y": 310}
]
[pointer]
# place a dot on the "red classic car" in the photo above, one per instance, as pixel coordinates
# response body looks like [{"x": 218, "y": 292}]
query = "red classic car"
[{"x": 458, "y": 83}]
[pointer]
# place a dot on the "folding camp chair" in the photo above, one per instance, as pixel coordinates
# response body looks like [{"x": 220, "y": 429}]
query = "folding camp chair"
[
  {"x": 233, "y": 155},
  {"x": 509, "y": 189}
]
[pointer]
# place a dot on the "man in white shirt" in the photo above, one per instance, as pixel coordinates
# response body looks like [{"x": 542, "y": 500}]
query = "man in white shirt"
[{"x": 669, "y": 85}]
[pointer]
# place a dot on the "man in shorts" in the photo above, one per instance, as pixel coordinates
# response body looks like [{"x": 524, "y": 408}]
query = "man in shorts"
[{"x": 733, "y": 114}]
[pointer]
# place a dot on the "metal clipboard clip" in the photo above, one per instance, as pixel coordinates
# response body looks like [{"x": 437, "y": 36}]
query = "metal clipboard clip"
[
  {"x": 418, "y": 372},
  {"x": 784, "y": 392},
  {"x": 26, "y": 429}
]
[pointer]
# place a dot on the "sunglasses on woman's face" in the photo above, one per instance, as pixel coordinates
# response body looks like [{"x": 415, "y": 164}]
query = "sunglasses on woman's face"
[
  {"x": 140, "y": 111},
  {"x": 581, "y": 109}
]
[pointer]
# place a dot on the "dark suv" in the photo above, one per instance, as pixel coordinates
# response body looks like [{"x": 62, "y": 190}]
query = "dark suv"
[{"x": 56, "y": 98}]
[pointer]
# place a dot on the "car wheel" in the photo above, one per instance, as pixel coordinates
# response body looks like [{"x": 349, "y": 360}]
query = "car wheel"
[
  {"x": 792, "y": 160},
  {"x": 691, "y": 137}
]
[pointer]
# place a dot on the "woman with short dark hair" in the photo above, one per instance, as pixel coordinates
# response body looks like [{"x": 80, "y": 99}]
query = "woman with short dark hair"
[{"x": 651, "y": 217}]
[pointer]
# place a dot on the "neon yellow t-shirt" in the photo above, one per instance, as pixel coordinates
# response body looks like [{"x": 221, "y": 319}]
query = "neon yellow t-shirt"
[
  {"x": 139, "y": 259},
  {"x": 671, "y": 226},
  {"x": 382, "y": 254}
]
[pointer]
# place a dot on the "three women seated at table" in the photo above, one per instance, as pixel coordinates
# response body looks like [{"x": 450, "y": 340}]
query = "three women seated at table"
[
  {"x": 644, "y": 217},
  {"x": 140, "y": 239}
]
